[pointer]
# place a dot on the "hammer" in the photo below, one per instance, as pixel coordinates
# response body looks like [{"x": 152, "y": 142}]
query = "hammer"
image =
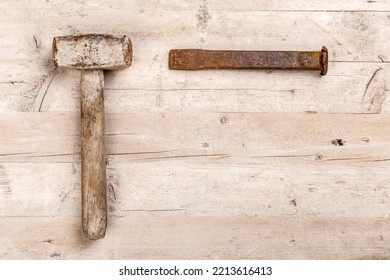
[{"x": 93, "y": 53}]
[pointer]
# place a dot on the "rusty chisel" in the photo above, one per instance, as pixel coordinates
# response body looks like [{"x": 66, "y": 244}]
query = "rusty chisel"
[{"x": 198, "y": 59}]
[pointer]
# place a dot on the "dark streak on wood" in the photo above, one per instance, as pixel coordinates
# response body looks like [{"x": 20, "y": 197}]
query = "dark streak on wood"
[
  {"x": 53, "y": 75},
  {"x": 113, "y": 191},
  {"x": 370, "y": 81},
  {"x": 14, "y": 154},
  {"x": 189, "y": 156},
  {"x": 154, "y": 210},
  {"x": 284, "y": 156},
  {"x": 140, "y": 153},
  {"x": 343, "y": 159}
]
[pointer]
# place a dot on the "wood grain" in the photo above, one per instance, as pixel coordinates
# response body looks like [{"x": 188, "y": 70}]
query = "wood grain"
[
  {"x": 165, "y": 237},
  {"x": 93, "y": 155},
  {"x": 180, "y": 172},
  {"x": 354, "y": 34},
  {"x": 205, "y": 165},
  {"x": 148, "y": 136}
]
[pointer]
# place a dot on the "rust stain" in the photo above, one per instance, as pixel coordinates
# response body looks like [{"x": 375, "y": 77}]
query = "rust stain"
[{"x": 197, "y": 59}]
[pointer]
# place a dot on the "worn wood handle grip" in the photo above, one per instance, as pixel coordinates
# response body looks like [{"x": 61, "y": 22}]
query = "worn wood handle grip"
[{"x": 93, "y": 159}]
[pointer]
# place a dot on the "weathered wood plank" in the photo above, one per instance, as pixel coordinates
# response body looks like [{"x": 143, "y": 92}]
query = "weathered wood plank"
[
  {"x": 349, "y": 88},
  {"x": 28, "y": 81},
  {"x": 203, "y": 164},
  {"x": 349, "y": 36},
  {"x": 227, "y": 5},
  {"x": 54, "y": 137},
  {"x": 167, "y": 237},
  {"x": 204, "y": 187}
]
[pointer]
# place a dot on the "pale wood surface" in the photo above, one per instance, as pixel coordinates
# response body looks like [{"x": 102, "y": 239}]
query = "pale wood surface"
[{"x": 211, "y": 164}]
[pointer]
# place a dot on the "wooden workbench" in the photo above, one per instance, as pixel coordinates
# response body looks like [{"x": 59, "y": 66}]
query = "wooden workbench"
[{"x": 208, "y": 164}]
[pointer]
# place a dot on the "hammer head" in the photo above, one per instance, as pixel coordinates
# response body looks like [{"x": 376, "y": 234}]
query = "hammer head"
[{"x": 92, "y": 51}]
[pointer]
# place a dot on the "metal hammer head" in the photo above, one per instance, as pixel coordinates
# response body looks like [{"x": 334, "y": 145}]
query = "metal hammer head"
[{"x": 92, "y": 51}]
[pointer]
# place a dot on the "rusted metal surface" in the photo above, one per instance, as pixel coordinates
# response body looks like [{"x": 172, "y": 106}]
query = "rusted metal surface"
[{"x": 197, "y": 59}]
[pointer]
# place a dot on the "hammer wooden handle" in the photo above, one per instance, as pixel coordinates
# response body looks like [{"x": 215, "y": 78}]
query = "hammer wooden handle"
[{"x": 93, "y": 158}]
